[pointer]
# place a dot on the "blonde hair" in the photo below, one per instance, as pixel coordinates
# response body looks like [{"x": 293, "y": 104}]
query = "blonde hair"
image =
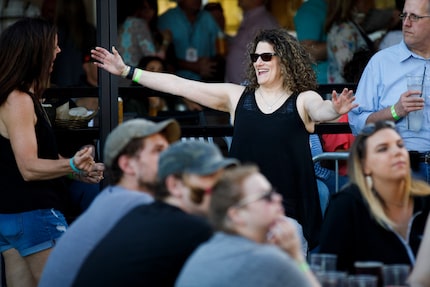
[{"x": 376, "y": 204}]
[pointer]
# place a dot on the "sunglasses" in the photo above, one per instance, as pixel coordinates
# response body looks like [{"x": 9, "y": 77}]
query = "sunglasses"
[
  {"x": 266, "y": 57},
  {"x": 370, "y": 129},
  {"x": 268, "y": 196}
]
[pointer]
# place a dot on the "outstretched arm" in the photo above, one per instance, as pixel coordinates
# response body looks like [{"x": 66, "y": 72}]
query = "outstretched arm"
[
  {"x": 320, "y": 110},
  {"x": 220, "y": 96}
]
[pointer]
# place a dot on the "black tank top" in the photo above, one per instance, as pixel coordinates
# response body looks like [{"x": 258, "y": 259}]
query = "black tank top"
[
  {"x": 279, "y": 144},
  {"x": 17, "y": 195}
]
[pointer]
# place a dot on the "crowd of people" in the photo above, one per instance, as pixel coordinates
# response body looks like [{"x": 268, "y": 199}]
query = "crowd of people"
[{"x": 180, "y": 213}]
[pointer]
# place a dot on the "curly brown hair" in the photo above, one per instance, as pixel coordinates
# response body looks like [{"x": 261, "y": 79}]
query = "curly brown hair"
[{"x": 296, "y": 64}]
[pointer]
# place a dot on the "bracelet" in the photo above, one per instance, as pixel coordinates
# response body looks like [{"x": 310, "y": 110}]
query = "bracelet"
[
  {"x": 130, "y": 73},
  {"x": 303, "y": 266},
  {"x": 72, "y": 165},
  {"x": 125, "y": 72},
  {"x": 394, "y": 114},
  {"x": 137, "y": 76}
]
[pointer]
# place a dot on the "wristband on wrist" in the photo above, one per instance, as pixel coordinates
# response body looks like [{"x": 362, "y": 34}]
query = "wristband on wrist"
[
  {"x": 72, "y": 165},
  {"x": 125, "y": 72},
  {"x": 130, "y": 73},
  {"x": 303, "y": 266},
  {"x": 394, "y": 114},
  {"x": 137, "y": 76}
]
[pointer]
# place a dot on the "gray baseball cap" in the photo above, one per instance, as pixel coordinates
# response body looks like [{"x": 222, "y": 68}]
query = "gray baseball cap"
[
  {"x": 137, "y": 128},
  {"x": 195, "y": 157}
]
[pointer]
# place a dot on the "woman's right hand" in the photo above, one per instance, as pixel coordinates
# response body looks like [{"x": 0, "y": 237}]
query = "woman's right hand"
[
  {"x": 111, "y": 62},
  {"x": 83, "y": 159}
]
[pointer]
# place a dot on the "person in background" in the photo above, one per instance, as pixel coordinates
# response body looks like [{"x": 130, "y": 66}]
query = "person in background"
[
  {"x": 420, "y": 276},
  {"x": 150, "y": 244},
  {"x": 215, "y": 8},
  {"x": 13, "y": 10},
  {"x": 33, "y": 193},
  {"x": 131, "y": 154},
  {"x": 162, "y": 39},
  {"x": 312, "y": 35},
  {"x": 278, "y": 102},
  {"x": 345, "y": 37},
  {"x": 194, "y": 34},
  {"x": 255, "y": 244},
  {"x": 134, "y": 36},
  {"x": 381, "y": 214},
  {"x": 382, "y": 92},
  {"x": 217, "y": 12},
  {"x": 76, "y": 37},
  {"x": 326, "y": 178},
  {"x": 255, "y": 18},
  {"x": 338, "y": 143},
  {"x": 151, "y": 103},
  {"x": 394, "y": 34}
]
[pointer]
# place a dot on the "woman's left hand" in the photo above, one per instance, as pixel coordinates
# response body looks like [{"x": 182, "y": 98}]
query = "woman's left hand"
[
  {"x": 343, "y": 103},
  {"x": 94, "y": 176}
]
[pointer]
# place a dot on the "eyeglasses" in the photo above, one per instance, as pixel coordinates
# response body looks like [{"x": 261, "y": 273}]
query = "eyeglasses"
[
  {"x": 412, "y": 17},
  {"x": 370, "y": 129},
  {"x": 266, "y": 57},
  {"x": 268, "y": 196}
]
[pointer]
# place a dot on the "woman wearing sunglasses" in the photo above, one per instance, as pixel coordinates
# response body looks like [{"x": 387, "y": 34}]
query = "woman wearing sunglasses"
[
  {"x": 255, "y": 245},
  {"x": 272, "y": 116},
  {"x": 381, "y": 214}
]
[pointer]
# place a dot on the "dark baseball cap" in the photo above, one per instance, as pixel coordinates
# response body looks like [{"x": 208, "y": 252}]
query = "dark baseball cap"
[
  {"x": 193, "y": 157},
  {"x": 137, "y": 128}
]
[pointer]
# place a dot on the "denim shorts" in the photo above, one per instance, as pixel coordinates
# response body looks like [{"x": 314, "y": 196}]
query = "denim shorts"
[{"x": 31, "y": 232}]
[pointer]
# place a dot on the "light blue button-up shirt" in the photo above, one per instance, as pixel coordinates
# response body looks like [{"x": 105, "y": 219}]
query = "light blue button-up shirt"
[{"x": 381, "y": 85}]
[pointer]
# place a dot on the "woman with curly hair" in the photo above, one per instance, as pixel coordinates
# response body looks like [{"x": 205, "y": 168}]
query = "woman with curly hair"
[{"x": 272, "y": 116}]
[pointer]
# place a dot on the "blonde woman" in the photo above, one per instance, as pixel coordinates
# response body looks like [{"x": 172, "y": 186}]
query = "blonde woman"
[{"x": 381, "y": 214}]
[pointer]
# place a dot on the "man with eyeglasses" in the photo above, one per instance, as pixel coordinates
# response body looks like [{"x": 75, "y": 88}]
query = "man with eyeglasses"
[
  {"x": 131, "y": 156},
  {"x": 255, "y": 244},
  {"x": 382, "y": 92},
  {"x": 149, "y": 245}
]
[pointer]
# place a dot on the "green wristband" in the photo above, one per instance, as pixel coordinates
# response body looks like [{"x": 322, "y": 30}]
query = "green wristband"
[
  {"x": 394, "y": 114},
  {"x": 137, "y": 76},
  {"x": 303, "y": 266}
]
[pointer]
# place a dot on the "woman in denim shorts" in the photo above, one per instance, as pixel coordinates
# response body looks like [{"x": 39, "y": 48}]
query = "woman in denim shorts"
[{"x": 31, "y": 170}]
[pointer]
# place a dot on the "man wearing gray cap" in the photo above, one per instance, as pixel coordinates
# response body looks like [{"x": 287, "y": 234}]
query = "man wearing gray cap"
[
  {"x": 149, "y": 245},
  {"x": 131, "y": 156}
]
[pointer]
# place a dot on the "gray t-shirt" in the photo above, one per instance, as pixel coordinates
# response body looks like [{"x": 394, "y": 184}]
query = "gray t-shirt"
[
  {"x": 230, "y": 260},
  {"x": 86, "y": 231}
]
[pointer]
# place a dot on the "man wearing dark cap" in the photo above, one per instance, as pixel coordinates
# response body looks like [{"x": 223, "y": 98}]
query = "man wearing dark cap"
[
  {"x": 131, "y": 156},
  {"x": 149, "y": 245}
]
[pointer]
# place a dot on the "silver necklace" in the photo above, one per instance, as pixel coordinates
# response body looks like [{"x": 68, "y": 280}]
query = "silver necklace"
[{"x": 273, "y": 104}]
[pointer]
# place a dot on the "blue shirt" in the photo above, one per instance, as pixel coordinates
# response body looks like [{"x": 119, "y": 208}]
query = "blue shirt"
[
  {"x": 313, "y": 30},
  {"x": 381, "y": 85},
  {"x": 201, "y": 35}
]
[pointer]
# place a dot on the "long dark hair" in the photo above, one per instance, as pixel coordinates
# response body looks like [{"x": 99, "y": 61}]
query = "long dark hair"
[{"x": 26, "y": 55}]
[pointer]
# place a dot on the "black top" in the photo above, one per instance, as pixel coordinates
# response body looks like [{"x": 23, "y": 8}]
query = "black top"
[
  {"x": 353, "y": 234},
  {"x": 279, "y": 144},
  {"x": 147, "y": 247},
  {"x": 17, "y": 195}
]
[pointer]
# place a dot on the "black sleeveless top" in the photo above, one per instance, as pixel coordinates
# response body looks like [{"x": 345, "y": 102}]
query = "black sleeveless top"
[
  {"x": 279, "y": 144},
  {"x": 17, "y": 195}
]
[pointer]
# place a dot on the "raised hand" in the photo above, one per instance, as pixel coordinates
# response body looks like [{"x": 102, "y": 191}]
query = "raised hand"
[
  {"x": 111, "y": 62},
  {"x": 343, "y": 103}
]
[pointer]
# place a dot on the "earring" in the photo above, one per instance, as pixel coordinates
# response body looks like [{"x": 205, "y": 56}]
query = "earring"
[{"x": 369, "y": 181}]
